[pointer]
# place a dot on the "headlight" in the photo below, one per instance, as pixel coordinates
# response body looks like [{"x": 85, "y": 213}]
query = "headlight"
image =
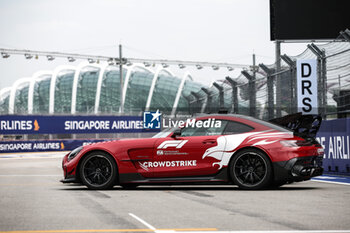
[
  {"x": 295, "y": 143},
  {"x": 74, "y": 153}
]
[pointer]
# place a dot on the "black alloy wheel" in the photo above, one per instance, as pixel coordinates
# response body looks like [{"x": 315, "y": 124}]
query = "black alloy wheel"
[
  {"x": 251, "y": 169},
  {"x": 98, "y": 171}
]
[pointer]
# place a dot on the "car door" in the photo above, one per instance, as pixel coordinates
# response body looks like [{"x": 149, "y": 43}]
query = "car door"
[{"x": 194, "y": 153}]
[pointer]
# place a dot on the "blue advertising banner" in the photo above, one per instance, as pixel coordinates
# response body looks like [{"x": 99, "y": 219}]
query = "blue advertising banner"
[
  {"x": 334, "y": 137},
  {"x": 43, "y": 145},
  {"x": 36, "y": 124}
]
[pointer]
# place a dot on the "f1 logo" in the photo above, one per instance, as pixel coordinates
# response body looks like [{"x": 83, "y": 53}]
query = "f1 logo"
[
  {"x": 151, "y": 120},
  {"x": 172, "y": 143}
]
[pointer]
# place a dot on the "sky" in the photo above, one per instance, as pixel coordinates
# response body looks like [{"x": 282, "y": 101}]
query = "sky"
[{"x": 196, "y": 30}]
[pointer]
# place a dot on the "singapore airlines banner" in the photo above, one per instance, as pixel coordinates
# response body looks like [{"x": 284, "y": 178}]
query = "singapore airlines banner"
[
  {"x": 37, "y": 124},
  {"x": 44, "y": 145},
  {"x": 334, "y": 137}
]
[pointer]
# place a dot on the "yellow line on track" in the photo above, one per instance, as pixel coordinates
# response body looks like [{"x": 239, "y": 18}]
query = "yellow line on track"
[
  {"x": 31, "y": 184},
  {"x": 112, "y": 230}
]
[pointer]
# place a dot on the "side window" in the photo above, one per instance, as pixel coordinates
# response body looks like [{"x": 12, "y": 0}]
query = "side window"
[
  {"x": 188, "y": 131},
  {"x": 234, "y": 127},
  {"x": 204, "y": 131}
]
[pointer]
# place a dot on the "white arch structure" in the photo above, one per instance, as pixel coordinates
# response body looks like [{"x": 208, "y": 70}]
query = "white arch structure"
[
  {"x": 3, "y": 91},
  {"x": 179, "y": 91},
  {"x": 153, "y": 85},
  {"x": 130, "y": 70},
  {"x": 14, "y": 87},
  {"x": 76, "y": 80},
  {"x": 103, "y": 68},
  {"x": 35, "y": 78},
  {"x": 53, "y": 84}
]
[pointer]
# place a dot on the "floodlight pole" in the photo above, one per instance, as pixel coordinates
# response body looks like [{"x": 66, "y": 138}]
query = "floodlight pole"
[
  {"x": 278, "y": 79},
  {"x": 121, "y": 109}
]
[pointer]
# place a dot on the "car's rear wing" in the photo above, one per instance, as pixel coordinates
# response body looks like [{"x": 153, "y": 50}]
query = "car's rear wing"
[{"x": 305, "y": 126}]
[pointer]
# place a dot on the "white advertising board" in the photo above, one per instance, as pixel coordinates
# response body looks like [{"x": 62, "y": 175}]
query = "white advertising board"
[{"x": 307, "y": 86}]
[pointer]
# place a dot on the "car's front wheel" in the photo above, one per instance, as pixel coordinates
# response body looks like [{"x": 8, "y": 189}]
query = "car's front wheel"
[
  {"x": 98, "y": 170},
  {"x": 251, "y": 169}
]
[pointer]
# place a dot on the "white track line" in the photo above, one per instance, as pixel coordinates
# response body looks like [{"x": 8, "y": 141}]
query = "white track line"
[
  {"x": 149, "y": 225},
  {"x": 142, "y": 221},
  {"x": 330, "y": 182}
]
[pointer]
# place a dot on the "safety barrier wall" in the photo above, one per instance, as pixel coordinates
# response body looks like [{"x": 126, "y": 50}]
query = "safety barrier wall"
[{"x": 334, "y": 135}]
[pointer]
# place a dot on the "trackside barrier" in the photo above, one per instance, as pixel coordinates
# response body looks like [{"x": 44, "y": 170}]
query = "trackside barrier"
[
  {"x": 334, "y": 137},
  {"x": 43, "y": 145}
]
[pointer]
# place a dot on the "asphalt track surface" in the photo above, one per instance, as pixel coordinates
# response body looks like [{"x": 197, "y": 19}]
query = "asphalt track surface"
[{"x": 32, "y": 200}]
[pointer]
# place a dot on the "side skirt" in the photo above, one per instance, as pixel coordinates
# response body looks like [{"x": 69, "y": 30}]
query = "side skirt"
[{"x": 221, "y": 177}]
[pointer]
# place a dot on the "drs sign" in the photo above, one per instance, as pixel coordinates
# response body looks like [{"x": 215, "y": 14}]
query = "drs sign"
[{"x": 307, "y": 86}]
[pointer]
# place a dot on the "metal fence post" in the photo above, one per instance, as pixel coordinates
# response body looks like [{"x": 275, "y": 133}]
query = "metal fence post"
[
  {"x": 190, "y": 106},
  {"x": 221, "y": 94},
  {"x": 208, "y": 93},
  {"x": 321, "y": 83},
  {"x": 278, "y": 79},
  {"x": 324, "y": 83},
  {"x": 252, "y": 93},
  {"x": 121, "y": 88},
  {"x": 292, "y": 66},
  {"x": 197, "y": 107},
  {"x": 270, "y": 91},
  {"x": 234, "y": 95}
]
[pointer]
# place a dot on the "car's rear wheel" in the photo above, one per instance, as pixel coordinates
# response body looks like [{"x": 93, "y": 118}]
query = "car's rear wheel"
[
  {"x": 98, "y": 170},
  {"x": 251, "y": 169}
]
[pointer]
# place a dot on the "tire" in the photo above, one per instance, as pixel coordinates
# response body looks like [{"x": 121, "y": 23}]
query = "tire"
[
  {"x": 98, "y": 170},
  {"x": 251, "y": 169},
  {"x": 129, "y": 186}
]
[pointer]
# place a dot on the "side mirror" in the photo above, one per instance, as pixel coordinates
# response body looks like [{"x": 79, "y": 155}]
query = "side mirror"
[{"x": 176, "y": 133}]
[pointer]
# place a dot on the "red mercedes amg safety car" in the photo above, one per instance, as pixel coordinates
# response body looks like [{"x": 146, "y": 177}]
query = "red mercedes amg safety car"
[{"x": 221, "y": 148}]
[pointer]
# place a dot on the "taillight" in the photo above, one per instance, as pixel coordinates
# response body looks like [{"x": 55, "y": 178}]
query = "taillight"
[
  {"x": 320, "y": 151},
  {"x": 295, "y": 143}
]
